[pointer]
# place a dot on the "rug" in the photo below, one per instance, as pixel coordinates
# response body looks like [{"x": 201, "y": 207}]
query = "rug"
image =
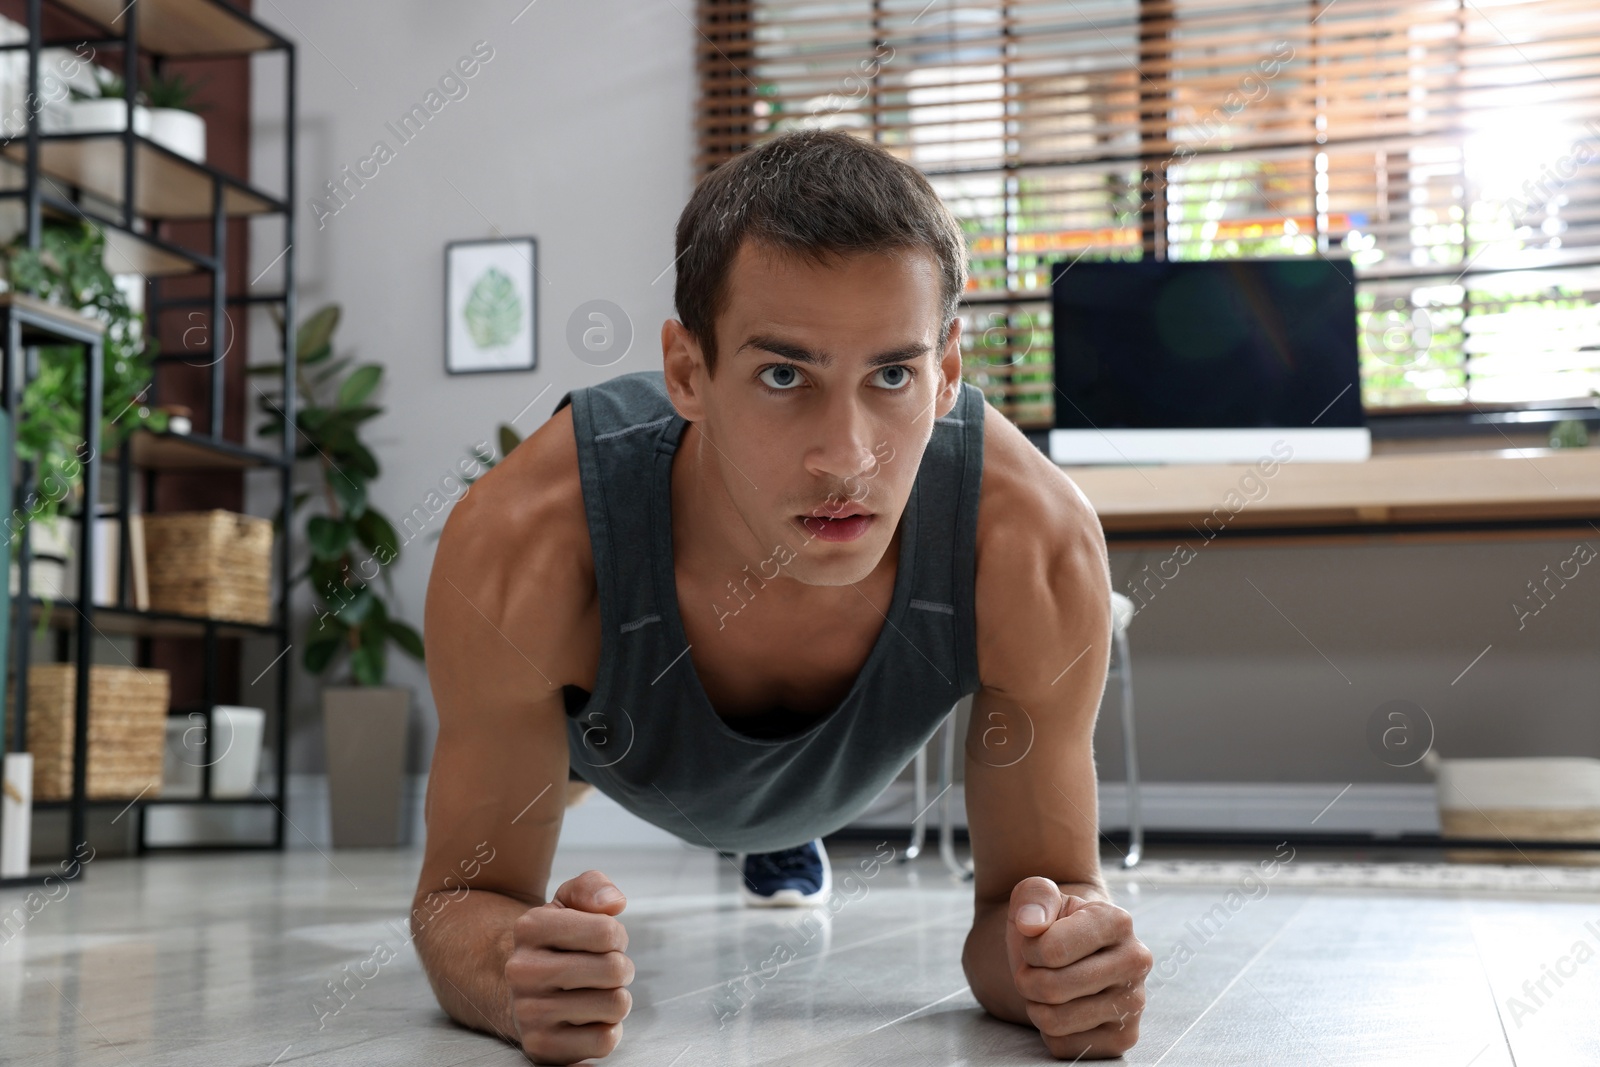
[{"x": 1312, "y": 874}]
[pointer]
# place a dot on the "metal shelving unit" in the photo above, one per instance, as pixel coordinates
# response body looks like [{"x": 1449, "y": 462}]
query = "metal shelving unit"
[{"x": 144, "y": 184}]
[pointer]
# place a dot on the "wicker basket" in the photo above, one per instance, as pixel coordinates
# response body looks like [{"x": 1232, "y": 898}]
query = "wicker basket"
[
  {"x": 1555, "y": 798},
  {"x": 127, "y": 729},
  {"x": 216, "y": 564}
]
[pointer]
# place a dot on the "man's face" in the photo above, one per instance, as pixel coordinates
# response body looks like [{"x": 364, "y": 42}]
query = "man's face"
[{"x": 828, "y": 380}]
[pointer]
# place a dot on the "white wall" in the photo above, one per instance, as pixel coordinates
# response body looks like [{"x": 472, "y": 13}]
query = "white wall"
[{"x": 577, "y": 131}]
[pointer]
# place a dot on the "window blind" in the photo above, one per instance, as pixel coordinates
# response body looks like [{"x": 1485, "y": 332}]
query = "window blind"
[{"x": 1445, "y": 154}]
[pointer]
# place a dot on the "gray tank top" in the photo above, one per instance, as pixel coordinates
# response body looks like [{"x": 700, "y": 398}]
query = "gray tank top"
[{"x": 648, "y": 736}]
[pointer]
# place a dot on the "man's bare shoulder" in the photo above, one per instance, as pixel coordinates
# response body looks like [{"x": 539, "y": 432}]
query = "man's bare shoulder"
[
  {"x": 515, "y": 551},
  {"x": 1042, "y": 571}
]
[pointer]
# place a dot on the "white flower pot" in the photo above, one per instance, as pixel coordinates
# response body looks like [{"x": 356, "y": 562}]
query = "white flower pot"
[
  {"x": 106, "y": 116},
  {"x": 182, "y": 131},
  {"x": 234, "y": 753},
  {"x": 55, "y": 116}
]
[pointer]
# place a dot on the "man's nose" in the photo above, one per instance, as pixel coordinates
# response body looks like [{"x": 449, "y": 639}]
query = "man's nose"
[{"x": 844, "y": 447}]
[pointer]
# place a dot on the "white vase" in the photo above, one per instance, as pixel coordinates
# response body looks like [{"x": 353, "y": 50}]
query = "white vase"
[
  {"x": 182, "y": 131},
  {"x": 106, "y": 116},
  {"x": 234, "y": 752}
]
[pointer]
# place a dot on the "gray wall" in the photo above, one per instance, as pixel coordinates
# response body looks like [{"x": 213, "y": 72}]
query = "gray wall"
[
  {"x": 1229, "y": 690},
  {"x": 579, "y": 132}
]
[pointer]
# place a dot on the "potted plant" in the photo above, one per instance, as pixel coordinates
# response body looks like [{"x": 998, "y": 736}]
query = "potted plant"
[
  {"x": 349, "y": 543},
  {"x": 68, "y": 269},
  {"x": 163, "y": 111},
  {"x": 174, "y": 119},
  {"x": 105, "y": 112}
]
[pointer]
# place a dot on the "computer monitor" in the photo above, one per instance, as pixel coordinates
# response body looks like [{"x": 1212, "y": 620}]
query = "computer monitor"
[{"x": 1213, "y": 361}]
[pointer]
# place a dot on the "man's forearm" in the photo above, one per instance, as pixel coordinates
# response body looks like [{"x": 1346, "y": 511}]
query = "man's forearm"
[
  {"x": 464, "y": 943},
  {"x": 987, "y": 964}
]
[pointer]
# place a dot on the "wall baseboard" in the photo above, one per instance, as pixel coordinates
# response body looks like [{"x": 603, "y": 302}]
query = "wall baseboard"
[
  {"x": 1263, "y": 807},
  {"x": 309, "y": 824},
  {"x": 599, "y": 820},
  {"x": 1249, "y": 807}
]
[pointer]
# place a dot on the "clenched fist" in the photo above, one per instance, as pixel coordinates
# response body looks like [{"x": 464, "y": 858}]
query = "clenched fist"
[
  {"x": 1079, "y": 968},
  {"x": 567, "y": 972}
]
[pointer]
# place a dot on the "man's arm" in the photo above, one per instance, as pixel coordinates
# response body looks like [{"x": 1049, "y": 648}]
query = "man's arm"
[
  {"x": 507, "y": 597},
  {"x": 1075, "y": 971}
]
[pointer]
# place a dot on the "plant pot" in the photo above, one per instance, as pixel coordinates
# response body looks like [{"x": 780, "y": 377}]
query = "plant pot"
[
  {"x": 51, "y": 574},
  {"x": 364, "y": 728},
  {"x": 234, "y": 754},
  {"x": 106, "y": 116},
  {"x": 182, "y": 131}
]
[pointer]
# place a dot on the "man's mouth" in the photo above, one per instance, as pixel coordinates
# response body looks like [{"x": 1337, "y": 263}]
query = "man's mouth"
[{"x": 846, "y": 524}]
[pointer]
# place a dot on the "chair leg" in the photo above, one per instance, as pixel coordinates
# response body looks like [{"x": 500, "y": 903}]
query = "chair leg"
[
  {"x": 947, "y": 823},
  {"x": 1130, "y": 752},
  {"x": 919, "y": 825}
]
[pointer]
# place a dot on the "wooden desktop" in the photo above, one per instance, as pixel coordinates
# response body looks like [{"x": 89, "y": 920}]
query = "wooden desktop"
[{"x": 1505, "y": 493}]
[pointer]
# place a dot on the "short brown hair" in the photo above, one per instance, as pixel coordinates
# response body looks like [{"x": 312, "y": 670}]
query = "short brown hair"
[{"x": 818, "y": 194}]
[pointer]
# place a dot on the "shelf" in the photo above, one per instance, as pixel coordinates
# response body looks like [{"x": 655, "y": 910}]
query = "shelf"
[
  {"x": 166, "y": 185},
  {"x": 148, "y": 802},
  {"x": 55, "y": 313},
  {"x": 130, "y": 253},
  {"x": 135, "y": 623},
  {"x": 124, "y": 185},
  {"x": 192, "y": 452},
  {"x": 182, "y": 27},
  {"x": 127, "y": 251}
]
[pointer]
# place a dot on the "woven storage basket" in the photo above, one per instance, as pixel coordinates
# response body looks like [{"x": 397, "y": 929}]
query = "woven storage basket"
[
  {"x": 216, "y": 564},
  {"x": 127, "y": 729}
]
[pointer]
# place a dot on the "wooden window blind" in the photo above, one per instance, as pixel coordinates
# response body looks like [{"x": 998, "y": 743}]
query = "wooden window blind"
[{"x": 1445, "y": 154}]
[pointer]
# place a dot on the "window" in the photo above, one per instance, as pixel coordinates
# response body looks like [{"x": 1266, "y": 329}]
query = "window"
[{"x": 1446, "y": 153}]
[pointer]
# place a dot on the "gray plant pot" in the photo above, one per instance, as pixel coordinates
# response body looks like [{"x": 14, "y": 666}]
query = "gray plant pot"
[{"x": 364, "y": 728}]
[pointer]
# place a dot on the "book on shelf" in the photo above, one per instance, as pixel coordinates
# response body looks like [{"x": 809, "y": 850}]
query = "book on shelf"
[
  {"x": 107, "y": 561},
  {"x": 137, "y": 563}
]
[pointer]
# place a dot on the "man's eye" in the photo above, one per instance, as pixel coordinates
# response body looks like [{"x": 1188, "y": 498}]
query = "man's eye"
[
  {"x": 785, "y": 376},
  {"x": 900, "y": 377}
]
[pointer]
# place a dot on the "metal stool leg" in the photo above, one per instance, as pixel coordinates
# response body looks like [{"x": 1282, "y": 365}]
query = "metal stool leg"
[
  {"x": 947, "y": 823},
  {"x": 1130, "y": 752},
  {"x": 919, "y": 825}
]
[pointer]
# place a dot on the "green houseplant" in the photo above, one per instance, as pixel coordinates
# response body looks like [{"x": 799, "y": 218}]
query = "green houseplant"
[
  {"x": 69, "y": 269},
  {"x": 350, "y": 543}
]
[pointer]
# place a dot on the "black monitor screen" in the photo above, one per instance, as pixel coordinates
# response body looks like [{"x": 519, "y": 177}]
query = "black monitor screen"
[{"x": 1215, "y": 344}]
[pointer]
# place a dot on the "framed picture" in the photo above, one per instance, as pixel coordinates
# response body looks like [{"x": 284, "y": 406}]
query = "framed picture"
[{"x": 491, "y": 305}]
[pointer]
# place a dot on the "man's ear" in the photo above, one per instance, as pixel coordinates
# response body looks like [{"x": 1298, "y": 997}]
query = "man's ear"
[
  {"x": 949, "y": 371},
  {"x": 683, "y": 367}
]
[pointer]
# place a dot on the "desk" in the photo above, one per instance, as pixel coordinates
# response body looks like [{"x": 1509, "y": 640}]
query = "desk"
[
  {"x": 1535, "y": 492},
  {"x": 1510, "y": 493}
]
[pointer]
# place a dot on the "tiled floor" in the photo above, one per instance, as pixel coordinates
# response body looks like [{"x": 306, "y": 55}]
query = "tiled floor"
[{"x": 224, "y": 959}]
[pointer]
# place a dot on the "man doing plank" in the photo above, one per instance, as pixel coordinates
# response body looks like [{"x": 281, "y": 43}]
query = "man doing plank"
[{"x": 737, "y": 595}]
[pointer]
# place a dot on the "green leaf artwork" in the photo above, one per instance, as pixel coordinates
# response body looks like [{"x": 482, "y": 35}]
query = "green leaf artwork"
[{"x": 493, "y": 313}]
